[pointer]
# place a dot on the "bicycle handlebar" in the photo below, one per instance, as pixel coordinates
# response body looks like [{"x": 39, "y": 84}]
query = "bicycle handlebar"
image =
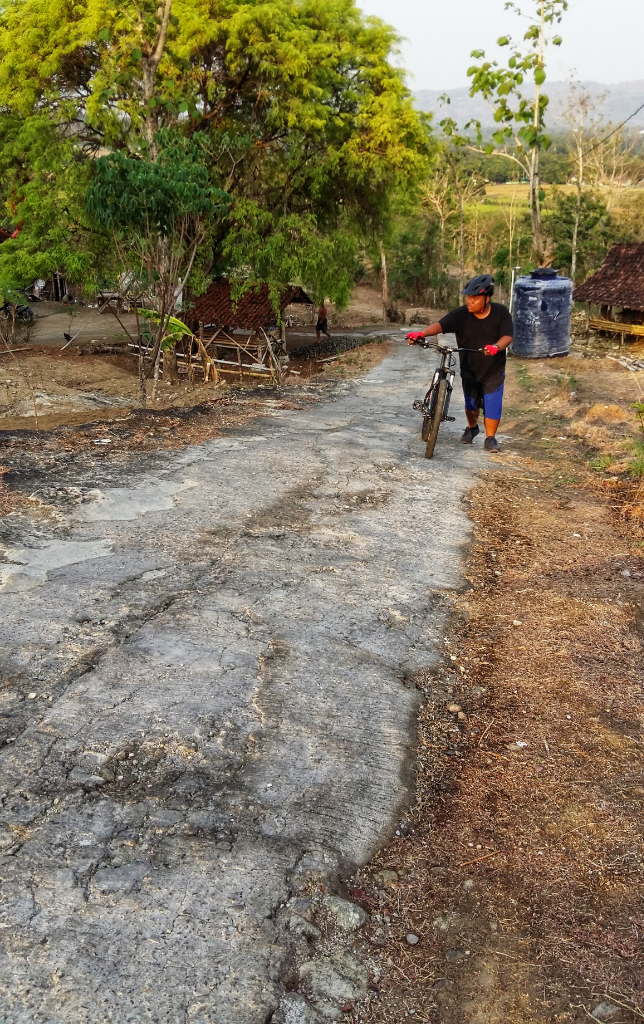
[{"x": 444, "y": 348}]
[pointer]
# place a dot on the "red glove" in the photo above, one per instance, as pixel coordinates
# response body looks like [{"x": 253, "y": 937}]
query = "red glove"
[
  {"x": 415, "y": 336},
  {"x": 491, "y": 350}
]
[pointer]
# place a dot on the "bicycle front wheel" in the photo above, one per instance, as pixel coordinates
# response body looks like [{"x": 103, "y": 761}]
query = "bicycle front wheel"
[{"x": 439, "y": 405}]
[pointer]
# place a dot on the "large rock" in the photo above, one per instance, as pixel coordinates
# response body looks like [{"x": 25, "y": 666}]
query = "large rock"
[
  {"x": 346, "y": 915},
  {"x": 294, "y": 1009},
  {"x": 333, "y": 981}
]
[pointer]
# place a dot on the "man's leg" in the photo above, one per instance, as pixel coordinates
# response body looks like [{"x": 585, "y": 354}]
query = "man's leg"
[
  {"x": 472, "y": 417},
  {"x": 492, "y": 407}
]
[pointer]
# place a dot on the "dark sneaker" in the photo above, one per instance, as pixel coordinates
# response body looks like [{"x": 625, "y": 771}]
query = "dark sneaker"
[
  {"x": 469, "y": 434},
  {"x": 491, "y": 445}
]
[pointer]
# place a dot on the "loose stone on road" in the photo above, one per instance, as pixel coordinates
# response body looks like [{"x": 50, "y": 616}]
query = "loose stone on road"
[{"x": 223, "y": 656}]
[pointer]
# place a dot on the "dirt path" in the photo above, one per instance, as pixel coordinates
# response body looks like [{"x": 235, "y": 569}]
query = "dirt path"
[{"x": 209, "y": 663}]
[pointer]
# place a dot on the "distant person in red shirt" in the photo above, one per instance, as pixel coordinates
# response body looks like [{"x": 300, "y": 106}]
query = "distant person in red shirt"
[
  {"x": 321, "y": 325},
  {"x": 486, "y": 326}
]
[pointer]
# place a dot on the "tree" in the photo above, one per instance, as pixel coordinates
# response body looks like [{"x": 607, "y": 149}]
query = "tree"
[
  {"x": 309, "y": 125},
  {"x": 521, "y": 120},
  {"x": 448, "y": 190},
  {"x": 158, "y": 212},
  {"x": 437, "y": 194},
  {"x": 467, "y": 188},
  {"x": 582, "y": 138},
  {"x": 43, "y": 185},
  {"x": 595, "y": 230}
]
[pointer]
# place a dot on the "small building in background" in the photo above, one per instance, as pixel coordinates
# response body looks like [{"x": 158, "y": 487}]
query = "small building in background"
[
  {"x": 251, "y": 311},
  {"x": 241, "y": 338},
  {"x": 618, "y": 289}
]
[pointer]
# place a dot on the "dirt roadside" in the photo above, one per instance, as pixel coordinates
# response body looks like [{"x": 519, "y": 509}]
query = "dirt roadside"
[
  {"x": 45, "y": 387},
  {"x": 513, "y": 893},
  {"x": 113, "y": 438}
]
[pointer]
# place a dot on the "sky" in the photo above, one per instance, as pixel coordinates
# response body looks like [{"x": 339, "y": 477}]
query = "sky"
[{"x": 603, "y": 40}]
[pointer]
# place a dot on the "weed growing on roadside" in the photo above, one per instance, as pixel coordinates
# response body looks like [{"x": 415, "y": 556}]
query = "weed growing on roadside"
[
  {"x": 524, "y": 378},
  {"x": 603, "y": 462},
  {"x": 554, "y": 419},
  {"x": 639, "y": 412},
  {"x": 636, "y": 465},
  {"x": 567, "y": 381}
]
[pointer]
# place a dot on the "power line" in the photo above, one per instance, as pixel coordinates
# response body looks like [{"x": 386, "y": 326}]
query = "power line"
[{"x": 602, "y": 141}]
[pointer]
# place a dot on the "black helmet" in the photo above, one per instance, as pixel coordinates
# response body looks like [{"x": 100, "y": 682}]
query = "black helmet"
[{"x": 481, "y": 285}]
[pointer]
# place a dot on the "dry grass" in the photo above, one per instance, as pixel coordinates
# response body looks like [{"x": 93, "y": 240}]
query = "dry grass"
[
  {"x": 522, "y": 871},
  {"x": 607, "y": 413}
]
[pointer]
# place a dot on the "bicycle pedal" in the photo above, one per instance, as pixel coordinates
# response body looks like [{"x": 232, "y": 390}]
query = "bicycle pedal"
[{"x": 452, "y": 419}]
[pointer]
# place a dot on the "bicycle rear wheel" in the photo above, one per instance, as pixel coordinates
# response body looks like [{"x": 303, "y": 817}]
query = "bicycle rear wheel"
[
  {"x": 439, "y": 405},
  {"x": 430, "y": 404}
]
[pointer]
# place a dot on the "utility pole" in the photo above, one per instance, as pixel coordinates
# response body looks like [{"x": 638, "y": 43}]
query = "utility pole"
[
  {"x": 514, "y": 277},
  {"x": 579, "y": 139}
]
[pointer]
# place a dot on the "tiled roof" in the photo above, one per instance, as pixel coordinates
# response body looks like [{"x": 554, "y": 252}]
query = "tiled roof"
[
  {"x": 619, "y": 281},
  {"x": 253, "y": 309}
]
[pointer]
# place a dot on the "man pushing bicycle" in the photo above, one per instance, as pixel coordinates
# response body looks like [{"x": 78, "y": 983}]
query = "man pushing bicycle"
[{"x": 487, "y": 327}]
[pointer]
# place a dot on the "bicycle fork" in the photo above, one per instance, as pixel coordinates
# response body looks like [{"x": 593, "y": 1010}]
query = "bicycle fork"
[{"x": 426, "y": 406}]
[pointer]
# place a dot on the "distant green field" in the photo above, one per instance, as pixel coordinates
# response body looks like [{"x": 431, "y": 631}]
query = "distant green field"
[{"x": 516, "y": 193}]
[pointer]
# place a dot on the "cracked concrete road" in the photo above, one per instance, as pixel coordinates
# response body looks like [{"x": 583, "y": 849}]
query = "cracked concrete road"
[{"x": 208, "y": 678}]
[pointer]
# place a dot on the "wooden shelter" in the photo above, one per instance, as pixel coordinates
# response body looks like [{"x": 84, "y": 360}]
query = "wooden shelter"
[
  {"x": 241, "y": 337},
  {"x": 618, "y": 284}
]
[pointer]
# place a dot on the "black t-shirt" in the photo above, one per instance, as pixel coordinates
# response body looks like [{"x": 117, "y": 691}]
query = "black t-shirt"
[{"x": 481, "y": 374}]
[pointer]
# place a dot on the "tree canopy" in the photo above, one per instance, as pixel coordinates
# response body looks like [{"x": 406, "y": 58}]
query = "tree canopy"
[{"x": 309, "y": 126}]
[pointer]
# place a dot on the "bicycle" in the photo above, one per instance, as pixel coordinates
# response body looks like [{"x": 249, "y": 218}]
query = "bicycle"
[{"x": 435, "y": 405}]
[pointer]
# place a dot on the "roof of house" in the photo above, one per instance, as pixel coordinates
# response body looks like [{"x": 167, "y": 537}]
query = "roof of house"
[
  {"x": 253, "y": 309},
  {"x": 619, "y": 281},
  {"x": 4, "y": 235}
]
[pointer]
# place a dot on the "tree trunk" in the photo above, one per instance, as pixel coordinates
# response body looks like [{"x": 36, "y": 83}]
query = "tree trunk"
[
  {"x": 385, "y": 282},
  {"x": 149, "y": 63},
  {"x": 155, "y": 381},
  {"x": 580, "y": 176},
  {"x": 170, "y": 371},
  {"x": 575, "y": 234},
  {"x": 461, "y": 244},
  {"x": 142, "y": 381},
  {"x": 535, "y": 205}
]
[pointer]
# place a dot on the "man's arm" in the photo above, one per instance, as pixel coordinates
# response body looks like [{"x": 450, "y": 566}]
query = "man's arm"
[
  {"x": 429, "y": 332},
  {"x": 501, "y": 345}
]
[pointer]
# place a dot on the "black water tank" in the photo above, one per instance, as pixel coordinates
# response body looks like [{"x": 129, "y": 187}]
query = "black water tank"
[{"x": 541, "y": 314}]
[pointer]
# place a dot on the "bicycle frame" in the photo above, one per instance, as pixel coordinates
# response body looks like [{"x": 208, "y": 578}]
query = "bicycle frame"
[{"x": 444, "y": 371}]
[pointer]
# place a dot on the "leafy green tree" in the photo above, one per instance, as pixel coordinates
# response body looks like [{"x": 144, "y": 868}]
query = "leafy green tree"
[
  {"x": 43, "y": 185},
  {"x": 521, "y": 120},
  {"x": 555, "y": 166},
  {"x": 310, "y": 126},
  {"x": 158, "y": 213},
  {"x": 415, "y": 273},
  {"x": 581, "y": 219}
]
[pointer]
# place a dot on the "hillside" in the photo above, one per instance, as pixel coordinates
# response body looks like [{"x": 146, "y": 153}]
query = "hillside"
[{"x": 620, "y": 101}]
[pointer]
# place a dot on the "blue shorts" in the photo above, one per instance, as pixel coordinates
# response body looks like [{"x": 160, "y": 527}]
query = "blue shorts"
[{"x": 492, "y": 404}]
